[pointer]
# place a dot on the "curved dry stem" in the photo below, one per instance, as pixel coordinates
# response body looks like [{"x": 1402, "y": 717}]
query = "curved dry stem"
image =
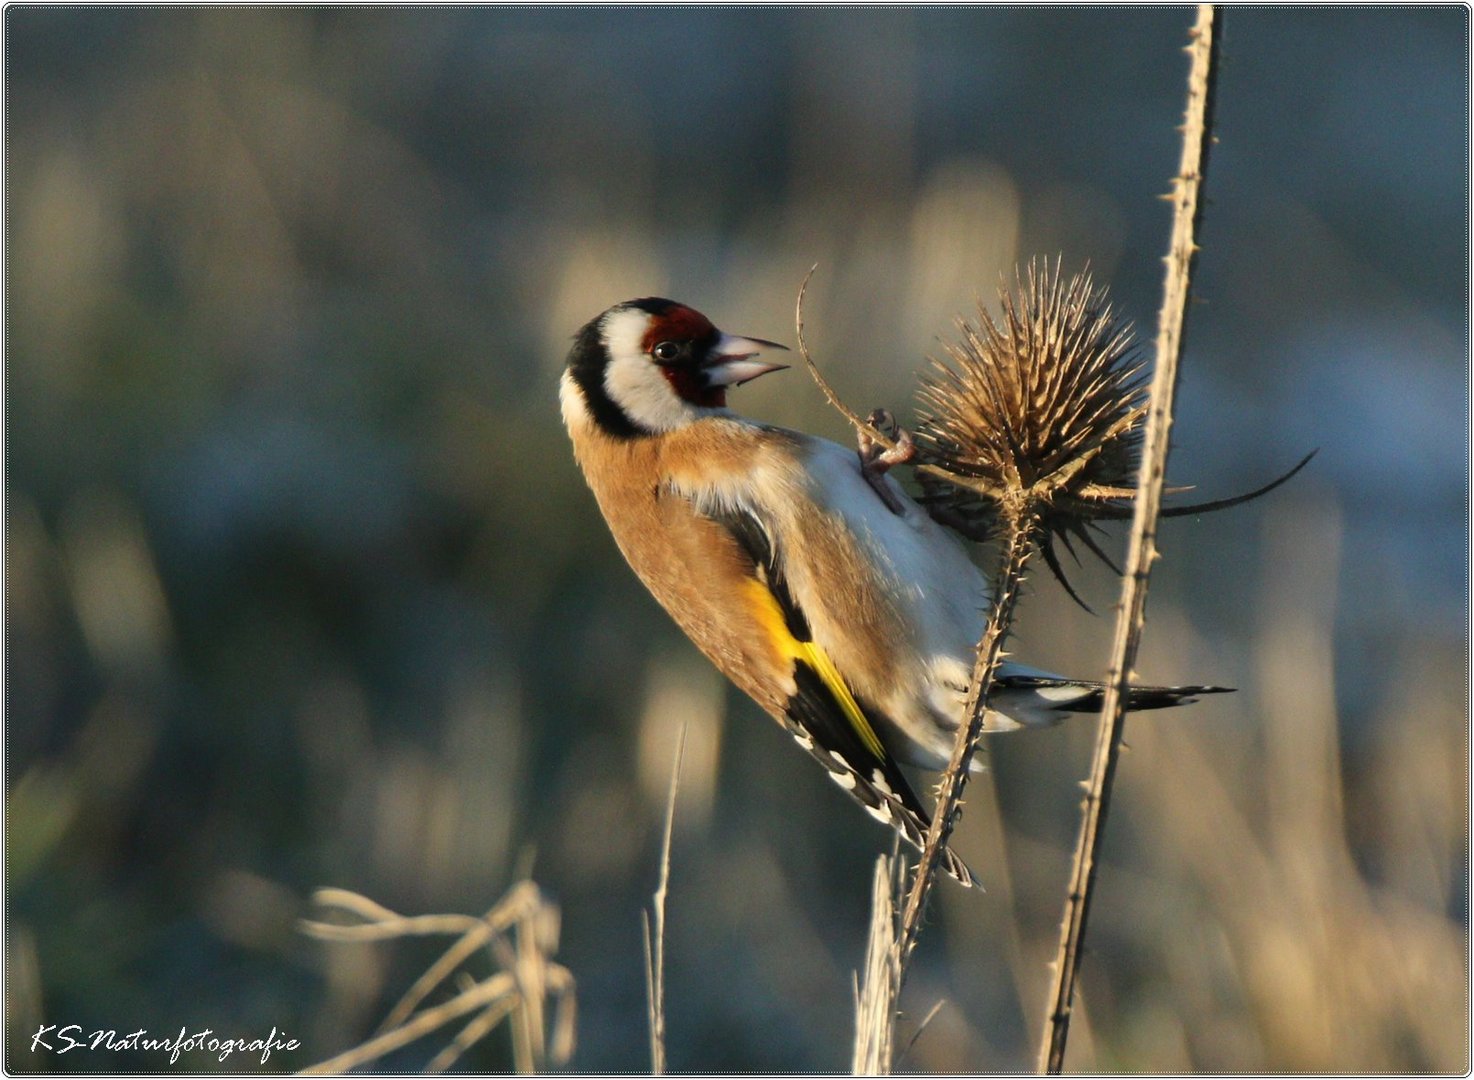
[
  {"x": 967, "y": 482},
  {"x": 354, "y": 903},
  {"x": 399, "y": 926},
  {"x": 833, "y": 398}
]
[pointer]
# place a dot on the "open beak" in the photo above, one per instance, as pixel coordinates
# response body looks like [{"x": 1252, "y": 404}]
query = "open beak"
[{"x": 732, "y": 362}]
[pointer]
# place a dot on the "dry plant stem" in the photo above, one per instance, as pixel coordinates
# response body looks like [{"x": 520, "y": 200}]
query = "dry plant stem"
[
  {"x": 1019, "y": 520},
  {"x": 386, "y": 924},
  {"x": 1141, "y": 550},
  {"x": 486, "y": 993},
  {"x": 479, "y": 1027},
  {"x": 655, "y": 950},
  {"x": 875, "y": 1005},
  {"x": 519, "y": 991},
  {"x": 529, "y": 1049},
  {"x": 496, "y": 994},
  {"x": 1018, "y": 527}
]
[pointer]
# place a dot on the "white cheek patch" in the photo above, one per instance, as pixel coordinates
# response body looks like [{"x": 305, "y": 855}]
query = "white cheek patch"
[{"x": 634, "y": 382}]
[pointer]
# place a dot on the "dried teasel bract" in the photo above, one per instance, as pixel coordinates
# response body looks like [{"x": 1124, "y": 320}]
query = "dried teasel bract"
[{"x": 1039, "y": 410}]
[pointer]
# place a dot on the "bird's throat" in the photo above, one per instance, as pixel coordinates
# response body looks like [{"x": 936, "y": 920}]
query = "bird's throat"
[{"x": 691, "y": 386}]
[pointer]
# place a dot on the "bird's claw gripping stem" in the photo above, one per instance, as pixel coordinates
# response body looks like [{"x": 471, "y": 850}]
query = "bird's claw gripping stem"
[{"x": 876, "y": 460}]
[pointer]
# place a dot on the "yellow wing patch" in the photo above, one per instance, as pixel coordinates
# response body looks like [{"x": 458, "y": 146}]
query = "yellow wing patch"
[{"x": 770, "y": 616}]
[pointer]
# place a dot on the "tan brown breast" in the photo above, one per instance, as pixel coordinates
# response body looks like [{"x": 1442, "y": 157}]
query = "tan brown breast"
[{"x": 691, "y": 565}]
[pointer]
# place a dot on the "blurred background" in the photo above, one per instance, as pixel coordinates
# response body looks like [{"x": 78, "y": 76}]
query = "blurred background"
[{"x": 303, "y": 587}]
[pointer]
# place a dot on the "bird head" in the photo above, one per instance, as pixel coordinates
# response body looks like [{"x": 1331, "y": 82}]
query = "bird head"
[{"x": 653, "y": 365}]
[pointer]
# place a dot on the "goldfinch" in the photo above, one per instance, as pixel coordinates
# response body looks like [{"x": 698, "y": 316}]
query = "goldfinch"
[{"x": 801, "y": 570}]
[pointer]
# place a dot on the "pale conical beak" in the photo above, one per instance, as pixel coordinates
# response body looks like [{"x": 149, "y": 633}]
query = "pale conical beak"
[{"x": 732, "y": 362}]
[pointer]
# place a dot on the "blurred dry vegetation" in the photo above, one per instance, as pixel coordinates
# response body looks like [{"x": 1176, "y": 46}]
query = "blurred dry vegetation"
[{"x": 302, "y": 587}]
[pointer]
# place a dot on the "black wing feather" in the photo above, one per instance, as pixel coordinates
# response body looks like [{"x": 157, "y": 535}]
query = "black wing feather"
[{"x": 818, "y": 721}]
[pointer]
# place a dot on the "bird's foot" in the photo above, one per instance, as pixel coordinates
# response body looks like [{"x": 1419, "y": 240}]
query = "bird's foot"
[{"x": 876, "y": 460}]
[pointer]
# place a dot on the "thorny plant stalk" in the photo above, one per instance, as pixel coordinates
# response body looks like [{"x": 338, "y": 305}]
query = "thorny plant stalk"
[
  {"x": 655, "y": 941},
  {"x": 1141, "y": 550},
  {"x": 1035, "y": 421},
  {"x": 890, "y": 946},
  {"x": 521, "y": 989},
  {"x": 1018, "y": 531}
]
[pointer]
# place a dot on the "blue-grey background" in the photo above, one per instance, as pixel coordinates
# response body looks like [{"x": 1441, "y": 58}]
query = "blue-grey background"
[{"x": 302, "y": 587}]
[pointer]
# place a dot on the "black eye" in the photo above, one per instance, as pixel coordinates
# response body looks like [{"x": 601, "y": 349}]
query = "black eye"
[{"x": 666, "y": 351}]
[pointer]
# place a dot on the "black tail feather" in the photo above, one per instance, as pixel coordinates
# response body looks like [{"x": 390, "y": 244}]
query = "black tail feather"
[{"x": 1146, "y": 697}]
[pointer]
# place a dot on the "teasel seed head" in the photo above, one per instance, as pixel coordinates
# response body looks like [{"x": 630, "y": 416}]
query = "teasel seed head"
[{"x": 1038, "y": 410}]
